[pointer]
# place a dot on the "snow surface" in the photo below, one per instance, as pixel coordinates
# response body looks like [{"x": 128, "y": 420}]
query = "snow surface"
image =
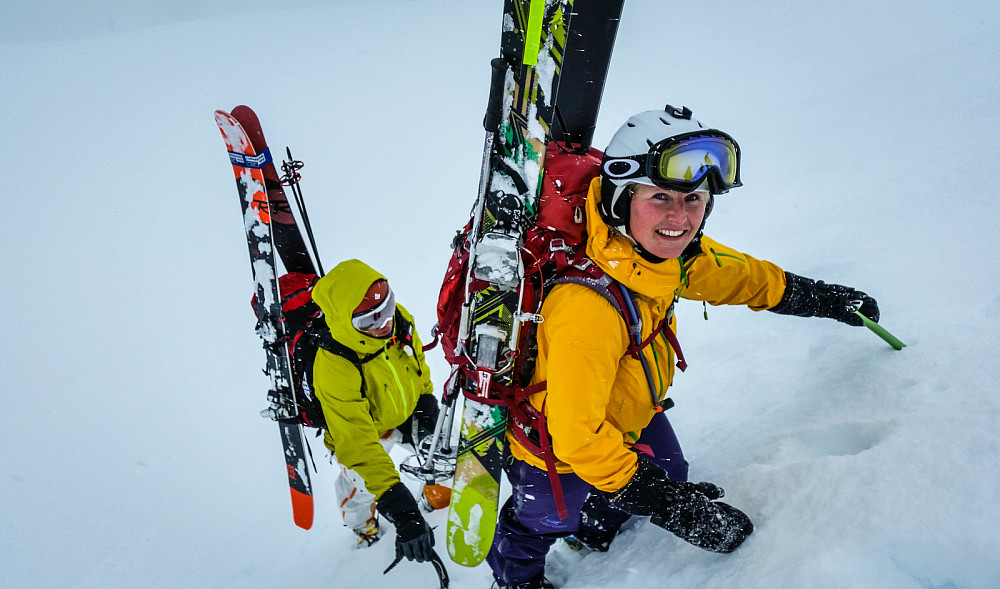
[{"x": 134, "y": 455}]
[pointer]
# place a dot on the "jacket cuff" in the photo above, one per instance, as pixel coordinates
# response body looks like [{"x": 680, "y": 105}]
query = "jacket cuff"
[
  {"x": 397, "y": 504},
  {"x": 801, "y": 298}
]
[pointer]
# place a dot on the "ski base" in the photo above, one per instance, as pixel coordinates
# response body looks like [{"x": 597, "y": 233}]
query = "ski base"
[{"x": 472, "y": 515}]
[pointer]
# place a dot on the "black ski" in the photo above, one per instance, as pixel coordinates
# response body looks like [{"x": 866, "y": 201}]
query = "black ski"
[{"x": 589, "y": 42}]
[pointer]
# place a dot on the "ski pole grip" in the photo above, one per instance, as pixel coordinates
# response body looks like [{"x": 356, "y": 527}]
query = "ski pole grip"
[{"x": 492, "y": 120}]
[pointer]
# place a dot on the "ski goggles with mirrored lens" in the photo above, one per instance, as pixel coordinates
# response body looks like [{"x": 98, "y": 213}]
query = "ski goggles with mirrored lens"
[
  {"x": 377, "y": 317},
  {"x": 682, "y": 163}
]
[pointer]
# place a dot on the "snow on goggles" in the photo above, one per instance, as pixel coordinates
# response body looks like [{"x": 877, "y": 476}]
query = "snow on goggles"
[
  {"x": 377, "y": 317},
  {"x": 682, "y": 163}
]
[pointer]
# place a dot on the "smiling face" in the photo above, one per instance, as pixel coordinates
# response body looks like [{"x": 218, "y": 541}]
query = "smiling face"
[{"x": 664, "y": 222}]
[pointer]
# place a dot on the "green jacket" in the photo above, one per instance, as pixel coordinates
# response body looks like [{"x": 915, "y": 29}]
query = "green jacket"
[{"x": 392, "y": 381}]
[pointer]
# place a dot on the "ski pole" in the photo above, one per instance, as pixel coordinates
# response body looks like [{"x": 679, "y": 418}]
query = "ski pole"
[
  {"x": 438, "y": 440},
  {"x": 291, "y": 179},
  {"x": 876, "y": 328},
  {"x": 491, "y": 123}
]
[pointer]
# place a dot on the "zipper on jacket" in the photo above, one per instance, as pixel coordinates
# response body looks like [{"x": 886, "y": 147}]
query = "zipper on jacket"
[
  {"x": 413, "y": 385},
  {"x": 684, "y": 273},
  {"x": 399, "y": 384},
  {"x": 718, "y": 255},
  {"x": 684, "y": 280}
]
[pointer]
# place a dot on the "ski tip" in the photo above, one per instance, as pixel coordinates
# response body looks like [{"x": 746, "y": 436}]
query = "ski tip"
[
  {"x": 249, "y": 121},
  {"x": 302, "y": 509},
  {"x": 244, "y": 114},
  {"x": 223, "y": 118},
  {"x": 233, "y": 132}
]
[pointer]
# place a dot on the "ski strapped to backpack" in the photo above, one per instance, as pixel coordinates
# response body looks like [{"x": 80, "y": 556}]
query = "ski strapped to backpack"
[
  {"x": 554, "y": 253},
  {"x": 546, "y": 85},
  {"x": 272, "y": 236}
]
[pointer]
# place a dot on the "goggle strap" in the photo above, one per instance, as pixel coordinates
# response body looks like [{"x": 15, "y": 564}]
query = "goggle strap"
[{"x": 365, "y": 321}]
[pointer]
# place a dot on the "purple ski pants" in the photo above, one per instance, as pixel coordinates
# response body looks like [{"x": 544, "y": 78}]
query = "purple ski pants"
[{"x": 528, "y": 524}]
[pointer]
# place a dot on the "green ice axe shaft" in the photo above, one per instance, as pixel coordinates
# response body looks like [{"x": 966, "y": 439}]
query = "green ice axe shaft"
[{"x": 878, "y": 329}]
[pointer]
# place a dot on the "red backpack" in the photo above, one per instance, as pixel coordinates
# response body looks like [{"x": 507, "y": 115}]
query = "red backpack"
[
  {"x": 552, "y": 244},
  {"x": 554, "y": 252}
]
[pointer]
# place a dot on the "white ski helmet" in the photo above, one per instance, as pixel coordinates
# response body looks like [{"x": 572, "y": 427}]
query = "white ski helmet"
[{"x": 666, "y": 148}]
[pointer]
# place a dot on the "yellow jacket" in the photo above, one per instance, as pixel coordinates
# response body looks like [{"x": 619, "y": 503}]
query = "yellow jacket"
[
  {"x": 597, "y": 399},
  {"x": 393, "y": 380}
]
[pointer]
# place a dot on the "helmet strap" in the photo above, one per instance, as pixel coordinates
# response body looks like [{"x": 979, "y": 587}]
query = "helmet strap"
[
  {"x": 693, "y": 248},
  {"x": 618, "y": 215},
  {"x": 645, "y": 255}
]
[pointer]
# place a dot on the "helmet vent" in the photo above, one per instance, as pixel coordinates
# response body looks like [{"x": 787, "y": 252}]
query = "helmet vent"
[
  {"x": 631, "y": 124},
  {"x": 664, "y": 121}
]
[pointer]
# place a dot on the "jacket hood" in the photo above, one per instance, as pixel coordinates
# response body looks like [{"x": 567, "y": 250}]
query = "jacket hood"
[
  {"x": 616, "y": 255},
  {"x": 338, "y": 294}
]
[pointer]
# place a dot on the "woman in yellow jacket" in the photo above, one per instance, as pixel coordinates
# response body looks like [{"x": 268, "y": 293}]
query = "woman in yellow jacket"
[
  {"x": 614, "y": 448},
  {"x": 386, "y": 397}
]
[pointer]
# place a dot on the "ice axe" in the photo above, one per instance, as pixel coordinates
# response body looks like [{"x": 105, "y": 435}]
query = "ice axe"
[
  {"x": 880, "y": 331},
  {"x": 442, "y": 572}
]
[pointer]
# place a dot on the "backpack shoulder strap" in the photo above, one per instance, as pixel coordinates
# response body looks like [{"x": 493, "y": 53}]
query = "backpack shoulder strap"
[
  {"x": 593, "y": 277},
  {"x": 324, "y": 339},
  {"x": 590, "y": 275},
  {"x": 402, "y": 334}
]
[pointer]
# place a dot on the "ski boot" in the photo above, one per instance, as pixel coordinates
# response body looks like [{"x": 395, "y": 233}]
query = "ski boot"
[{"x": 368, "y": 534}]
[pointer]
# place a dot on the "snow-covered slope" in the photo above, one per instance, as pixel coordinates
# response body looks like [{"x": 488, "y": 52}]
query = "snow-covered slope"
[{"x": 133, "y": 452}]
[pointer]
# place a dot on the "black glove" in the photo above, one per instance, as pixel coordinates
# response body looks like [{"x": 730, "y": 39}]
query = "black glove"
[
  {"x": 685, "y": 509},
  {"x": 414, "y": 537},
  {"x": 710, "y": 525},
  {"x": 650, "y": 489},
  {"x": 647, "y": 491},
  {"x": 709, "y": 490},
  {"x": 423, "y": 421},
  {"x": 805, "y": 297},
  {"x": 425, "y": 416}
]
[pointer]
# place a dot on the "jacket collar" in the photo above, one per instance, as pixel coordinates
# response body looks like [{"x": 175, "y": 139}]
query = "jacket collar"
[{"x": 616, "y": 255}]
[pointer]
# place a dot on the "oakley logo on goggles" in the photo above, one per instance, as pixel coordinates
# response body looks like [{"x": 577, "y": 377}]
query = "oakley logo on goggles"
[
  {"x": 681, "y": 163},
  {"x": 377, "y": 317}
]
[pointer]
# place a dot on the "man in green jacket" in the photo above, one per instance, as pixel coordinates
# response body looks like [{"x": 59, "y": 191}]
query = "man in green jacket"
[{"x": 381, "y": 397}]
